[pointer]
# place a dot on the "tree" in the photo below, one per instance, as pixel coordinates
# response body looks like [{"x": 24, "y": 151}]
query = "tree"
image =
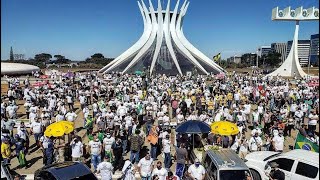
[
  {"x": 11, "y": 54},
  {"x": 97, "y": 56},
  {"x": 59, "y": 57},
  {"x": 273, "y": 59},
  {"x": 43, "y": 57}
]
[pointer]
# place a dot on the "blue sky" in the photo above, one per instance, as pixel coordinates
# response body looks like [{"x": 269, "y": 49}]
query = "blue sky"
[{"x": 79, "y": 28}]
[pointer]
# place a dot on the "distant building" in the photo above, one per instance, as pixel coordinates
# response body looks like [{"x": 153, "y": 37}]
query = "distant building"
[
  {"x": 249, "y": 58},
  {"x": 264, "y": 50},
  {"x": 314, "y": 49},
  {"x": 303, "y": 51},
  {"x": 280, "y": 48},
  {"x": 235, "y": 59}
]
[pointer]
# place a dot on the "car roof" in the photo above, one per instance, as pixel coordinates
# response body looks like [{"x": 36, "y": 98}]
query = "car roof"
[
  {"x": 67, "y": 170},
  {"x": 303, "y": 155},
  {"x": 222, "y": 156}
]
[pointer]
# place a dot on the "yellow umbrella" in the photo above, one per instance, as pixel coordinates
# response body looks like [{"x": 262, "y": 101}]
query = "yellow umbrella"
[
  {"x": 59, "y": 129},
  {"x": 224, "y": 128}
]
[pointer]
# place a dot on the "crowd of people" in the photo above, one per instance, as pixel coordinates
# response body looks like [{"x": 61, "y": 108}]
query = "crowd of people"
[{"x": 134, "y": 115}]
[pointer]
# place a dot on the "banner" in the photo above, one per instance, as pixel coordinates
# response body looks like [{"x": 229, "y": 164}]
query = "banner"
[{"x": 305, "y": 144}]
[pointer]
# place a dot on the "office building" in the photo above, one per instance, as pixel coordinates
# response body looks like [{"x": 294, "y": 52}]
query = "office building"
[
  {"x": 235, "y": 59},
  {"x": 264, "y": 50},
  {"x": 303, "y": 51},
  {"x": 280, "y": 48},
  {"x": 314, "y": 50}
]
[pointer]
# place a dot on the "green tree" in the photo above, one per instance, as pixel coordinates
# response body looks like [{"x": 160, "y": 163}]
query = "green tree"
[
  {"x": 11, "y": 54},
  {"x": 273, "y": 59},
  {"x": 59, "y": 57},
  {"x": 97, "y": 56},
  {"x": 43, "y": 57}
]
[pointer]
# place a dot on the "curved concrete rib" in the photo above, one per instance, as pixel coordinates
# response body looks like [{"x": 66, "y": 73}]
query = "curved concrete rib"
[
  {"x": 166, "y": 29},
  {"x": 159, "y": 37},
  {"x": 151, "y": 39},
  {"x": 291, "y": 65},
  {"x": 194, "y": 51},
  {"x": 146, "y": 34},
  {"x": 178, "y": 43},
  {"x": 133, "y": 49}
]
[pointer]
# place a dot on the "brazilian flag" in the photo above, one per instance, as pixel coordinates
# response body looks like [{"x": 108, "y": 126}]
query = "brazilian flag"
[
  {"x": 217, "y": 57},
  {"x": 305, "y": 144}
]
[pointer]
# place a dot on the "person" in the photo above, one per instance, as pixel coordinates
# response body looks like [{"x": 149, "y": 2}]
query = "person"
[
  {"x": 145, "y": 167},
  {"x": 128, "y": 171},
  {"x": 196, "y": 170},
  {"x": 278, "y": 141},
  {"x": 117, "y": 152},
  {"x": 49, "y": 151},
  {"x": 161, "y": 172},
  {"x": 136, "y": 142},
  {"x": 59, "y": 145},
  {"x": 276, "y": 173},
  {"x": 166, "y": 150},
  {"x": 105, "y": 169},
  {"x": 20, "y": 144},
  {"x": 181, "y": 157},
  {"x": 36, "y": 130},
  {"x": 43, "y": 143},
  {"x": 5, "y": 151},
  {"x": 95, "y": 151},
  {"x": 171, "y": 176},
  {"x": 255, "y": 142},
  {"x": 77, "y": 149},
  {"x": 107, "y": 143}
]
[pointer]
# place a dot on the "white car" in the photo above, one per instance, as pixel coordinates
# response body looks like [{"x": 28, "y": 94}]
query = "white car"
[{"x": 296, "y": 164}]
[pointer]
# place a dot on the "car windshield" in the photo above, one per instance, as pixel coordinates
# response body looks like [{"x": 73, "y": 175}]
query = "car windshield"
[
  {"x": 234, "y": 174},
  {"x": 274, "y": 155}
]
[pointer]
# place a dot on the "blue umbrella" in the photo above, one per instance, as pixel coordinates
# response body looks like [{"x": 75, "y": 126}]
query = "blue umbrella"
[{"x": 193, "y": 127}]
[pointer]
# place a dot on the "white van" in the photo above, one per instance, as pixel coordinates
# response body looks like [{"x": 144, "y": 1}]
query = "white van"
[{"x": 296, "y": 164}]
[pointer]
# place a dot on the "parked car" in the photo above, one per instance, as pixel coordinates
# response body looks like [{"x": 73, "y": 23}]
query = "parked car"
[
  {"x": 296, "y": 164},
  {"x": 66, "y": 170},
  {"x": 224, "y": 164}
]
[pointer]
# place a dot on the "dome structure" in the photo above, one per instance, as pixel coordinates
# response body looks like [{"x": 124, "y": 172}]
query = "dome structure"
[
  {"x": 163, "y": 48},
  {"x": 17, "y": 68}
]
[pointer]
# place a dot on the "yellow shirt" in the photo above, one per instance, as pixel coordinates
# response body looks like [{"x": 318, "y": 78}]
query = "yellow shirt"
[
  {"x": 5, "y": 150},
  {"x": 193, "y": 99},
  {"x": 203, "y": 101},
  {"x": 230, "y": 96},
  {"x": 210, "y": 105}
]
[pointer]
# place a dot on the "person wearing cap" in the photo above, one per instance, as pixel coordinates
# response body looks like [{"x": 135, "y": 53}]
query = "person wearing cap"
[
  {"x": 105, "y": 169},
  {"x": 196, "y": 171},
  {"x": 276, "y": 173},
  {"x": 20, "y": 145}
]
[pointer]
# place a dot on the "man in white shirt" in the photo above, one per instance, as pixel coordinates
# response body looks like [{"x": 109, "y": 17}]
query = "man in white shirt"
[
  {"x": 77, "y": 149},
  {"x": 160, "y": 171},
  {"x": 313, "y": 119},
  {"x": 82, "y": 100},
  {"x": 105, "y": 169},
  {"x": 95, "y": 150},
  {"x": 277, "y": 141},
  {"x": 298, "y": 118},
  {"x": 197, "y": 171},
  {"x": 71, "y": 116},
  {"x": 255, "y": 142},
  {"x": 166, "y": 150},
  {"x": 255, "y": 118},
  {"x": 107, "y": 143},
  {"x": 145, "y": 167},
  {"x": 36, "y": 130}
]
